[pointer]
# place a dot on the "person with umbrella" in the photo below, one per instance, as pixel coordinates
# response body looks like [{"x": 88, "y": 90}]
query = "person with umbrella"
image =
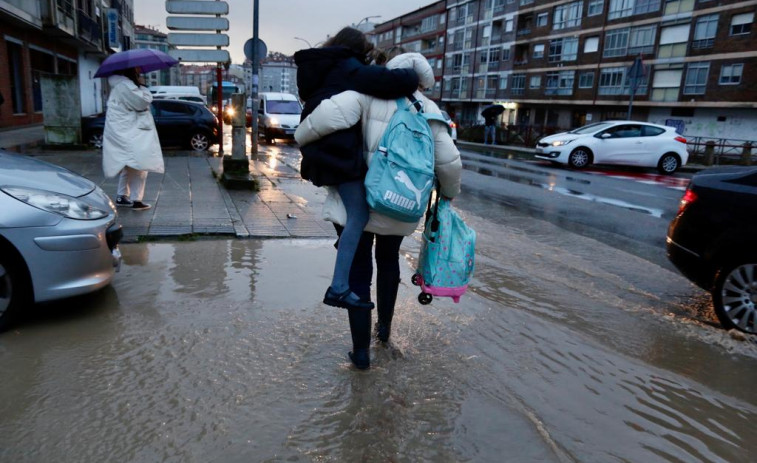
[
  {"x": 490, "y": 114},
  {"x": 131, "y": 147}
]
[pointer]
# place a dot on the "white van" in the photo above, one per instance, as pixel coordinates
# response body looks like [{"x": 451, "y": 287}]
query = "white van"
[
  {"x": 178, "y": 92},
  {"x": 278, "y": 115}
]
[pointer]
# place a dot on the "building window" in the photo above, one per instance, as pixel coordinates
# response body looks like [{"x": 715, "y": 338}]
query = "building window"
[
  {"x": 741, "y": 24},
  {"x": 595, "y": 7},
  {"x": 730, "y": 74},
  {"x": 641, "y": 40},
  {"x": 623, "y": 8},
  {"x": 591, "y": 45},
  {"x": 15, "y": 67},
  {"x": 704, "y": 32},
  {"x": 678, "y": 6},
  {"x": 539, "y": 50},
  {"x": 673, "y": 41},
  {"x": 567, "y": 15},
  {"x": 542, "y": 19},
  {"x": 666, "y": 84},
  {"x": 616, "y": 42},
  {"x": 586, "y": 80},
  {"x": 563, "y": 49},
  {"x": 696, "y": 78},
  {"x": 620, "y": 9},
  {"x": 559, "y": 83},
  {"x": 534, "y": 82},
  {"x": 518, "y": 83},
  {"x": 611, "y": 81}
]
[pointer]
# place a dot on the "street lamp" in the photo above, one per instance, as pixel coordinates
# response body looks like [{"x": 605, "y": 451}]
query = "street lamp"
[
  {"x": 366, "y": 20},
  {"x": 308, "y": 43}
]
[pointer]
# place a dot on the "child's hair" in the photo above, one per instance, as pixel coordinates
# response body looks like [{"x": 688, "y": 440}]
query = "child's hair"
[
  {"x": 350, "y": 38},
  {"x": 380, "y": 57}
]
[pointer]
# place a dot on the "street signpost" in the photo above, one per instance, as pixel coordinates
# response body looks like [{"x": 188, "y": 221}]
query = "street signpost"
[
  {"x": 198, "y": 40},
  {"x": 207, "y": 18},
  {"x": 635, "y": 74}
]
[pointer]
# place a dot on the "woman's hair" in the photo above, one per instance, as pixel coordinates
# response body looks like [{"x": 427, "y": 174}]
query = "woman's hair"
[
  {"x": 350, "y": 38},
  {"x": 381, "y": 57},
  {"x": 131, "y": 73}
]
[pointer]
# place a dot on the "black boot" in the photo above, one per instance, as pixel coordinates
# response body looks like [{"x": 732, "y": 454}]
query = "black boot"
[
  {"x": 360, "y": 328},
  {"x": 386, "y": 297}
]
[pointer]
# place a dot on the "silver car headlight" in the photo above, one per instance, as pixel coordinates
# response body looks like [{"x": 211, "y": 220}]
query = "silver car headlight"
[
  {"x": 560, "y": 142},
  {"x": 57, "y": 203}
]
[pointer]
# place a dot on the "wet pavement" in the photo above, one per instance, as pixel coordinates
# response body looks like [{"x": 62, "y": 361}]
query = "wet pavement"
[{"x": 218, "y": 349}]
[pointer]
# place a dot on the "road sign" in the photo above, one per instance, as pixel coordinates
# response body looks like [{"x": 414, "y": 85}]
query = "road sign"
[
  {"x": 196, "y": 23},
  {"x": 199, "y": 56},
  {"x": 197, "y": 7},
  {"x": 262, "y": 49},
  {"x": 198, "y": 40}
]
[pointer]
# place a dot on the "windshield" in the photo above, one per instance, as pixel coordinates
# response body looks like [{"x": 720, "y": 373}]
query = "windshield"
[
  {"x": 283, "y": 107},
  {"x": 591, "y": 128}
]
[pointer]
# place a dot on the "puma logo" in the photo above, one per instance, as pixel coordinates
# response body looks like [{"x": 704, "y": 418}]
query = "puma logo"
[{"x": 405, "y": 180}]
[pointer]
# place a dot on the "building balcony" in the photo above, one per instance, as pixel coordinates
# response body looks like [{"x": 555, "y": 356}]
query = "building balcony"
[
  {"x": 90, "y": 31},
  {"x": 59, "y": 18}
]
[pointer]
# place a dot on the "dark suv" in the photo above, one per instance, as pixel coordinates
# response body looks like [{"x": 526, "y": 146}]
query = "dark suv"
[
  {"x": 712, "y": 241},
  {"x": 179, "y": 123}
]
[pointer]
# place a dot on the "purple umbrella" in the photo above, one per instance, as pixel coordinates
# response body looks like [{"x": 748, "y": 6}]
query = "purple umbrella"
[{"x": 148, "y": 60}]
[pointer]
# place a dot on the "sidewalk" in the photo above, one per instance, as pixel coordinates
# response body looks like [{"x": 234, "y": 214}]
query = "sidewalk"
[{"x": 188, "y": 200}]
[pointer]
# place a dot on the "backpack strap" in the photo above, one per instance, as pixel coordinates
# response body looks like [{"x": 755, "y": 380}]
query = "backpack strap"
[{"x": 401, "y": 104}]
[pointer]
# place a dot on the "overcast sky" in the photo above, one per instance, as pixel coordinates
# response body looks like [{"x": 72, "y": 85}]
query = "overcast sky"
[{"x": 279, "y": 21}]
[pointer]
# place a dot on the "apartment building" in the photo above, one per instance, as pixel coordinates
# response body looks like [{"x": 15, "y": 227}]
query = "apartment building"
[
  {"x": 276, "y": 73},
  {"x": 146, "y": 37},
  {"x": 422, "y": 31},
  {"x": 57, "y": 37},
  {"x": 565, "y": 63}
]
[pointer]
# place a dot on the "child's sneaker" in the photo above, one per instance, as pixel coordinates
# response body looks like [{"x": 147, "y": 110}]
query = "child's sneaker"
[
  {"x": 123, "y": 201},
  {"x": 140, "y": 206}
]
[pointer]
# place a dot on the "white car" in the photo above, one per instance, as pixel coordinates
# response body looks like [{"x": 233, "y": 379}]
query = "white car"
[
  {"x": 628, "y": 143},
  {"x": 59, "y": 234},
  {"x": 452, "y": 126}
]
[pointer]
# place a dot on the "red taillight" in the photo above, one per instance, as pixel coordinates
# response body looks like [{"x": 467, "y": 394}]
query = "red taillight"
[
  {"x": 453, "y": 125},
  {"x": 680, "y": 139},
  {"x": 688, "y": 198}
]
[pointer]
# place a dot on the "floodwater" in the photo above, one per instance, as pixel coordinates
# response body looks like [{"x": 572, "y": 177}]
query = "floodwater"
[{"x": 564, "y": 350}]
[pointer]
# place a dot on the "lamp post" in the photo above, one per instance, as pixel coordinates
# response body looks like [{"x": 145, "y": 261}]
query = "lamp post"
[
  {"x": 308, "y": 43},
  {"x": 366, "y": 20}
]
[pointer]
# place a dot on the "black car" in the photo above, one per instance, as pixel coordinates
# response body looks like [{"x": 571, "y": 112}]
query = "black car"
[
  {"x": 712, "y": 241},
  {"x": 179, "y": 123}
]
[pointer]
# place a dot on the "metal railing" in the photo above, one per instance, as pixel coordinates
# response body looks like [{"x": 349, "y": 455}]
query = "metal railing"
[{"x": 721, "y": 150}]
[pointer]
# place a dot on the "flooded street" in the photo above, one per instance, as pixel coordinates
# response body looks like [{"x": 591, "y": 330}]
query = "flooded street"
[{"x": 565, "y": 349}]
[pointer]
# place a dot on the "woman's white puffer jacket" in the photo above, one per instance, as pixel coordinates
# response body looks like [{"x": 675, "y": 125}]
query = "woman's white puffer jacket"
[{"x": 347, "y": 108}]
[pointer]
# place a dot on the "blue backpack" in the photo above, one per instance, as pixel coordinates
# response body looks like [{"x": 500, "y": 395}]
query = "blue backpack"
[{"x": 401, "y": 172}]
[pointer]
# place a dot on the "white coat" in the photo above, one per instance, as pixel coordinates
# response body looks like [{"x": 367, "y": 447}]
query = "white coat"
[
  {"x": 130, "y": 138},
  {"x": 347, "y": 108}
]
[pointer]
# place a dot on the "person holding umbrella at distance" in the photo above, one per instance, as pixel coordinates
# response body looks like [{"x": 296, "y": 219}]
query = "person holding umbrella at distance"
[
  {"x": 490, "y": 114},
  {"x": 130, "y": 140}
]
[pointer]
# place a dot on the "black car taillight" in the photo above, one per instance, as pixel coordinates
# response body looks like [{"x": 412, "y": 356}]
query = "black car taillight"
[{"x": 688, "y": 198}]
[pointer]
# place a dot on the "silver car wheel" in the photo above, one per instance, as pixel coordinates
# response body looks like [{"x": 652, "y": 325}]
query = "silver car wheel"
[
  {"x": 579, "y": 158},
  {"x": 6, "y": 290},
  {"x": 96, "y": 140},
  {"x": 199, "y": 142},
  {"x": 668, "y": 164},
  {"x": 735, "y": 296}
]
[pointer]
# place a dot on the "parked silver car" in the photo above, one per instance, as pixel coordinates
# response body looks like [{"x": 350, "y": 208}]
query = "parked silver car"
[{"x": 59, "y": 234}]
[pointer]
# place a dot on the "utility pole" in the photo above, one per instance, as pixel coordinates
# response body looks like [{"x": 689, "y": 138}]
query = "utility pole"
[{"x": 254, "y": 83}]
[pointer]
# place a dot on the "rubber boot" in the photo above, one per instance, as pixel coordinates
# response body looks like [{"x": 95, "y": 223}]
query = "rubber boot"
[
  {"x": 386, "y": 297},
  {"x": 360, "y": 328}
]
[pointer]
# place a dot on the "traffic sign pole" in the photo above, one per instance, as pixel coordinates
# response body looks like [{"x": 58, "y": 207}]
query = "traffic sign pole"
[{"x": 254, "y": 83}]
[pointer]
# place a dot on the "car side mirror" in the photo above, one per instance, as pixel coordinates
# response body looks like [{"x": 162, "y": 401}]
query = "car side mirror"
[{"x": 605, "y": 136}]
